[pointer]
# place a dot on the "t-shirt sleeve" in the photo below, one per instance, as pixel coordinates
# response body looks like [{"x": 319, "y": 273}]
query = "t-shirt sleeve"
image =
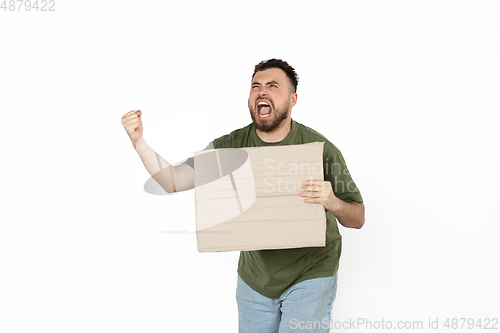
[
  {"x": 337, "y": 173},
  {"x": 190, "y": 161}
]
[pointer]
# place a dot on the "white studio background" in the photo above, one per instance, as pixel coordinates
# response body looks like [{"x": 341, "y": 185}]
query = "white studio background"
[{"x": 408, "y": 90}]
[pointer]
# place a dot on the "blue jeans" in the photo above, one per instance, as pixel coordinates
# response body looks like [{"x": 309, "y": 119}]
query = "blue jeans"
[{"x": 304, "y": 307}]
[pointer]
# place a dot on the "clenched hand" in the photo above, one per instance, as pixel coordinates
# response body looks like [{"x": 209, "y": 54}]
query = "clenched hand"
[{"x": 133, "y": 125}]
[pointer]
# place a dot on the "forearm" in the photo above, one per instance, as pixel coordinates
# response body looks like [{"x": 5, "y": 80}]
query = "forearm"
[
  {"x": 349, "y": 214},
  {"x": 170, "y": 178}
]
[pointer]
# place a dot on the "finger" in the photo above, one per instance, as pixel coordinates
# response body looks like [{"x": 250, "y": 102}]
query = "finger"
[
  {"x": 312, "y": 200},
  {"x": 129, "y": 117},
  {"x": 131, "y": 122},
  {"x": 312, "y": 182},
  {"x": 128, "y": 113},
  {"x": 139, "y": 112},
  {"x": 132, "y": 117},
  {"x": 310, "y": 194},
  {"x": 310, "y": 188}
]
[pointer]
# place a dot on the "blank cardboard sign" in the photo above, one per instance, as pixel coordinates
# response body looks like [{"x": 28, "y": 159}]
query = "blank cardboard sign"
[{"x": 248, "y": 198}]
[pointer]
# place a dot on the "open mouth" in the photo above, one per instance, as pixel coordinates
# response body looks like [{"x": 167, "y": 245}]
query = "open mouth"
[{"x": 264, "y": 109}]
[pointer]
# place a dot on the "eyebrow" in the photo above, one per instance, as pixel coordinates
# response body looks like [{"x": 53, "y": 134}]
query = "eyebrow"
[{"x": 267, "y": 83}]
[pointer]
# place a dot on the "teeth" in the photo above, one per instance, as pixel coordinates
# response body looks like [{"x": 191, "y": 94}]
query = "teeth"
[{"x": 263, "y": 103}]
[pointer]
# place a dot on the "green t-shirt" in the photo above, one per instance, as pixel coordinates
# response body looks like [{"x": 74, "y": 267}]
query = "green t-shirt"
[{"x": 271, "y": 272}]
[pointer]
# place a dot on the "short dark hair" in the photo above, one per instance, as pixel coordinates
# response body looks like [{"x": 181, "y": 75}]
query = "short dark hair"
[{"x": 278, "y": 63}]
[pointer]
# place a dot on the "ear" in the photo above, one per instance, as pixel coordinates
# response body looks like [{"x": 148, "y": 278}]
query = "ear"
[{"x": 293, "y": 99}]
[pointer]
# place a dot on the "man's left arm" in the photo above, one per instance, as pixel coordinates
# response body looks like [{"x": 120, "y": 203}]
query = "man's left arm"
[{"x": 349, "y": 214}]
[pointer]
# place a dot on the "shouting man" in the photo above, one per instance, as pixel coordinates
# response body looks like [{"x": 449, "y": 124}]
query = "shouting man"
[{"x": 289, "y": 290}]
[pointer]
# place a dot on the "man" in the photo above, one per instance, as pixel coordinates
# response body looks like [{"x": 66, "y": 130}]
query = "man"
[{"x": 286, "y": 290}]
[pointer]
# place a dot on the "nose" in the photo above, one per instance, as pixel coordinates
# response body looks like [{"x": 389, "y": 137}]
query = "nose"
[{"x": 262, "y": 92}]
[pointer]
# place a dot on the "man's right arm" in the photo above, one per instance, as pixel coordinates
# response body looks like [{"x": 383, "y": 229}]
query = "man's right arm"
[{"x": 171, "y": 178}]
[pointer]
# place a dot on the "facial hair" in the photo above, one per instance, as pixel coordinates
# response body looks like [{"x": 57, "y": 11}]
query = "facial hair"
[{"x": 277, "y": 117}]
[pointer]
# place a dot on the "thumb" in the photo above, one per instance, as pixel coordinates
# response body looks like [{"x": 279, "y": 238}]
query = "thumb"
[{"x": 139, "y": 112}]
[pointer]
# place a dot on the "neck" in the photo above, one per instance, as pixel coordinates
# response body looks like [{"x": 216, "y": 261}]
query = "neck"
[{"x": 277, "y": 134}]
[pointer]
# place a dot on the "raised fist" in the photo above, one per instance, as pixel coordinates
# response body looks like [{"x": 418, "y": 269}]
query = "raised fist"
[{"x": 133, "y": 125}]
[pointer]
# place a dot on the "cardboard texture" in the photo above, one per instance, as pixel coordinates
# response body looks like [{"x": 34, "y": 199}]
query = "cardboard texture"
[{"x": 248, "y": 198}]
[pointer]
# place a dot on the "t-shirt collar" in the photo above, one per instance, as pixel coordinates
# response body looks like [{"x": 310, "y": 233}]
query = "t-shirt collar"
[{"x": 285, "y": 141}]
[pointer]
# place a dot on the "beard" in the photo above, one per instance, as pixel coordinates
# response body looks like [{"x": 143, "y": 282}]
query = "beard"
[{"x": 267, "y": 125}]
